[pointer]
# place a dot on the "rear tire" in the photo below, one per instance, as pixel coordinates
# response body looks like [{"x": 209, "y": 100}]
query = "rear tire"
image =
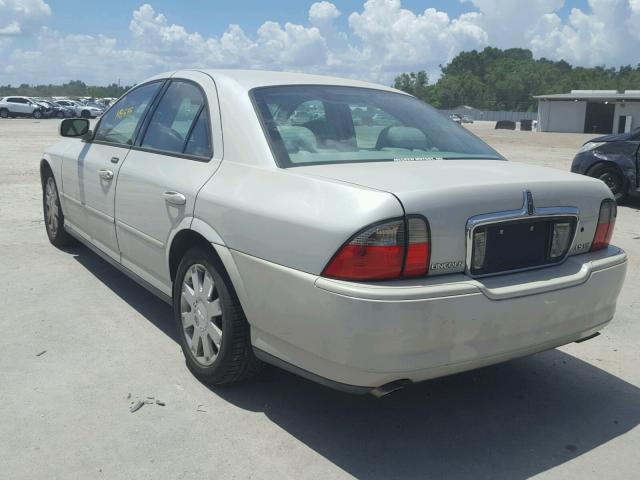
[
  {"x": 37, "y": 114},
  {"x": 214, "y": 333},
  {"x": 613, "y": 178},
  {"x": 4, "y": 113},
  {"x": 53, "y": 216}
]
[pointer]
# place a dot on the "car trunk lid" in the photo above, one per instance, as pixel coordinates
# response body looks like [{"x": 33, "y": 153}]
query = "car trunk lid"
[{"x": 451, "y": 192}]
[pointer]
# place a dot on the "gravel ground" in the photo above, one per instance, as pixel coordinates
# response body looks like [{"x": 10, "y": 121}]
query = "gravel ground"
[{"x": 80, "y": 342}]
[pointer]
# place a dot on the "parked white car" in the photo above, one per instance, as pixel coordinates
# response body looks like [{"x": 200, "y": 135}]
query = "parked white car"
[
  {"x": 84, "y": 111},
  {"x": 364, "y": 257},
  {"x": 17, "y": 106}
]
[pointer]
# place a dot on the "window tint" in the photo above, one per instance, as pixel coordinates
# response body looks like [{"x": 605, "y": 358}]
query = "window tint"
[
  {"x": 119, "y": 125},
  {"x": 171, "y": 125},
  {"x": 199, "y": 143},
  {"x": 13, "y": 100},
  {"x": 333, "y": 124},
  {"x": 369, "y": 122},
  {"x": 307, "y": 112}
]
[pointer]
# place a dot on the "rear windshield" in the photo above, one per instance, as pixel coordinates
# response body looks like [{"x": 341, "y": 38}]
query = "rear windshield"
[{"x": 309, "y": 124}]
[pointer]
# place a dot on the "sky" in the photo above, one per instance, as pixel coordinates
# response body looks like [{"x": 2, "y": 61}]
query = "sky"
[{"x": 100, "y": 42}]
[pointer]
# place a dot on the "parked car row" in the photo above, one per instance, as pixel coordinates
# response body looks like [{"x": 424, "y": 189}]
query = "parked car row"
[{"x": 33, "y": 107}]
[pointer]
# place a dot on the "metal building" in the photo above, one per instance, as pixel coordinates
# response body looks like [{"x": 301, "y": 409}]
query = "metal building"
[{"x": 589, "y": 111}]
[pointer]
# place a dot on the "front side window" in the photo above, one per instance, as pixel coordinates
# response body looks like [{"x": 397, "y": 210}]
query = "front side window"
[
  {"x": 180, "y": 123},
  {"x": 120, "y": 124},
  {"x": 315, "y": 124}
]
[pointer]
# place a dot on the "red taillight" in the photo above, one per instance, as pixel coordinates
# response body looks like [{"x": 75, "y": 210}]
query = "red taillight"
[
  {"x": 606, "y": 223},
  {"x": 383, "y": 252}
]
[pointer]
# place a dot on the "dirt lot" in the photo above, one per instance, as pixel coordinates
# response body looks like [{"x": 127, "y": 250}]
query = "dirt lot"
[{"x": 571, "y": 413}]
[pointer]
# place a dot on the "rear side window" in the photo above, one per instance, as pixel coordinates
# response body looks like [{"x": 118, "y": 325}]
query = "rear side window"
[
  {"x": 199, "y": 143},
  {"x": 120, "y": 124},
  {"x": 180, "y": 123}
]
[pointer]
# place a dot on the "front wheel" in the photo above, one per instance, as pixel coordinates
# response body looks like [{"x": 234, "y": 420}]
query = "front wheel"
[
  {"x": 4, "y": 113},
  {"x": 613, "y": 178},
  {"x": 214, "y": 333},
  {"x": 37, "y": 114},
  {"x": 53, "y": 216}
]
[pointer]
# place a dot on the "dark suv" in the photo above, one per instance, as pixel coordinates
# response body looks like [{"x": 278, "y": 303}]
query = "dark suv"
[{"x": 614, "y": 160}]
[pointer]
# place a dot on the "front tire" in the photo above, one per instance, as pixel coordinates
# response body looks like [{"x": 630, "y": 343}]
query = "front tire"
[
  {"x": 37, "y": 114},
  {"x": 4, "y": 113},
  {"x": 53, "y": 216},
  {"x": 214, "y": 332},
  {"x": 613, "y": 178}
]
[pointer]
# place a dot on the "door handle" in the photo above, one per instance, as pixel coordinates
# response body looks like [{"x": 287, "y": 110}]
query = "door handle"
[
  {"x": 105, "y": 174},
  {"x": 174, "y": 198},
  {"x": 115, "y": 159}
]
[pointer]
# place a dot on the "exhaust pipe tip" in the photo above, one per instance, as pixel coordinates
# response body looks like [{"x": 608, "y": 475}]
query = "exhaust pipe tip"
[
  {"x": 390, "y": 387},
  {"x": 589, "y": 337}
]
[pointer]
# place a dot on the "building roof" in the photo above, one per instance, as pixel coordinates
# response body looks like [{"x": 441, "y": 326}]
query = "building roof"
[{"x": 611, "y": 95}]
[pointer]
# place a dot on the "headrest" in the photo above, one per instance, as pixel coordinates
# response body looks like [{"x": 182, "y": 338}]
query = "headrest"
[
  {"x": 297, "y": 138},
  {"x": 402, "y": 137}
]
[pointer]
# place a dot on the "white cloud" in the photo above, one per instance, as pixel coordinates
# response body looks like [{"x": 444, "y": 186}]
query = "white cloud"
[
  {"x": 396, "y": 39},
  {"x": 376, "y": 42},
  {"x": 12, "y": 28},
  {"x": 22, "y": 16},
  {"x": 510, "y": 23},
  {"x": 273, "y": 44},
  {"x": 321, "y": 12},
  {"x": 607, "y": 35}
]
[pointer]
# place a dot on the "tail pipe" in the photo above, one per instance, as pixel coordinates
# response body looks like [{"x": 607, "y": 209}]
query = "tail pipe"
[{"x": 390, "y": 387}]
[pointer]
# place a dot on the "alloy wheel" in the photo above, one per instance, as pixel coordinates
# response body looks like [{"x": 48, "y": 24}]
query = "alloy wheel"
[
  {"x": 613, "y": 181},
  {"x": 201, "y": 314},
  {"x": 51, "y": 210}
]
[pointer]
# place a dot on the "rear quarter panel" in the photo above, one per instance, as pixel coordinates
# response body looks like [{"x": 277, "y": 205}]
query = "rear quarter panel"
[{"x": 285, "y": 218}]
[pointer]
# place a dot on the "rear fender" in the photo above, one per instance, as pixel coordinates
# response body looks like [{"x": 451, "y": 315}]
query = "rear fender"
[{"x": 218, "y": 244}]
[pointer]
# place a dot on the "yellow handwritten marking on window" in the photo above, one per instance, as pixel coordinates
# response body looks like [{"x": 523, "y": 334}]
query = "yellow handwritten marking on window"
[{"x": 124, "y": 112}]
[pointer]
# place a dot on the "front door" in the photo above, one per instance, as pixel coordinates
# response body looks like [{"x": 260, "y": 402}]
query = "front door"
[
  {"x": 158, "y": 183},
  {"x": 100, "y": 161}
]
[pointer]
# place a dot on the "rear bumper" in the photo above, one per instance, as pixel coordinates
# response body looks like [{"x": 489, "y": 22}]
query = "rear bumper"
[{"x": 368, "y": 335}]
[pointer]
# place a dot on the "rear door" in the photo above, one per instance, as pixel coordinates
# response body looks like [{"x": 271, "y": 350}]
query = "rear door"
[
  {"x": 157, "y": 185},
  {"x": 89, "y": 183}
]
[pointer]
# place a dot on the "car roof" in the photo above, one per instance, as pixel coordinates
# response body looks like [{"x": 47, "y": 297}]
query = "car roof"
[{"x": 250, "y": 79}]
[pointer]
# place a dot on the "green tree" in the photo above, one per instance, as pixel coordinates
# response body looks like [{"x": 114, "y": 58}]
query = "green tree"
[{"x": 495, "y": 79}]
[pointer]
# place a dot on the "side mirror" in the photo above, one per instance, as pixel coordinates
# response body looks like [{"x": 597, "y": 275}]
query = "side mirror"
[{"x": 74, "y": 127}]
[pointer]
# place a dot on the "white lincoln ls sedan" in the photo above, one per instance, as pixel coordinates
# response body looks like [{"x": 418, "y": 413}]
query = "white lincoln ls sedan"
[{"x": 341, "y": 230}]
